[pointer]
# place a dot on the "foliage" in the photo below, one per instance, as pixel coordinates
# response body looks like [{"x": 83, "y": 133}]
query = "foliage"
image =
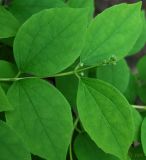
[{"x": 66, "y": 90}]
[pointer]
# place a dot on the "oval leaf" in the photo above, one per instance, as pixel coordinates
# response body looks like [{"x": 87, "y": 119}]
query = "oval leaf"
[
  {"x": 106, "y": 116},
  {"x": 50, "y": 41},
  {"x": 112, "y": 33},
  {"x": 42, "y": 117}
]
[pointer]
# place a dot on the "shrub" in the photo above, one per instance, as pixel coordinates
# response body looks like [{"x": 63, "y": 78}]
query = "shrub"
[{"x": 66, "y": 90}]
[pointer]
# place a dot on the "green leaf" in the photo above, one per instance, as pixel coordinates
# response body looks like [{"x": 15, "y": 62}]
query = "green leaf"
[
  {"x": 137, "y": 123},
  {"x": 89, "y": 4},
  {"x": 136, "y": 153},
  {"x": 142, "y": 93},
  {"x": 86, "y": 149},
  {"x": 24, "y": 9},
  {"x": 131, "y": 91},
  {"x": 112, "y": 33},
  {"x": 106, "y": 116},
  {"x": 141, "y": 41},
  {"x": 143, "y": 135},
  {"x": 42, "y": 117},
  {"x": 68, "y": 86},
  {"x": 4, "y": 103},
  {"x": 117, "y": 75},
  {"x": 141, "y": 68},
  {"x": 11, "y": 146},
  {"x": 8, "y": 24},
  {"x": 57, "y": 47},
  {"x": 7, "y": 70}
]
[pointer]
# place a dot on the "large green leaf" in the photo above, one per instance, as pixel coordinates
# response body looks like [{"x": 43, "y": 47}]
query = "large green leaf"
[
  {"x": 24, "y": 9},
  {"x": 8, "y": 24},
  {"x": 11, "y": 146},
  {"x": 117, "y": 75},
  {"x": 42, "y": 117},
  {"x": 106, "y": 116},
  {"x": 4, "y": 103},
  {"x": 57, "y": 47},
  {"x": 83, "y": 4},
  {"x": 143, "y": 135},
  {"x": 112, "y": 33},
  {"x": 86, "y": 149}
]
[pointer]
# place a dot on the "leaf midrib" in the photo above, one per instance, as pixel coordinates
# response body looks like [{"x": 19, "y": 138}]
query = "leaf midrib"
[
  {"x": 106, "y": 120},
  {"x": 42, "y": 124}
]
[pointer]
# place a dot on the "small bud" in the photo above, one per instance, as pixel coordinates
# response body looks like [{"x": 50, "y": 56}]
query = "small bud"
[
  {"x": 82, "y": 74},
  {"x": 81, "y": 64},
  {"x": 113, "y": 58},
  {"x": 104, "y": 61}
]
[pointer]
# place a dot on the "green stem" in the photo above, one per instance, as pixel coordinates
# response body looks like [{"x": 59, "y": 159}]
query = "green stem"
[
  {"x": 78, "y": 130},
  {"x": 63, "y": 74},
  {"x": 139, "y": 107},
  {"x": 76, "y": 71},
  {"x": 19, "y": 73},
  {"x": 70, "y": 152},
  {"x": 70, "y": 147},
  {"x": 16, "y": 79}
]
